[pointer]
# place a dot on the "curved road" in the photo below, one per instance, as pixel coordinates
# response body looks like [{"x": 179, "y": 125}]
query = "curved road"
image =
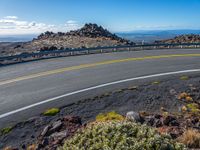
[{"x": 27, "y": 89}]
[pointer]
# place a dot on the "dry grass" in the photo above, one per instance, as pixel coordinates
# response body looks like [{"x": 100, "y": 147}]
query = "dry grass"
[
  {"x": 182, "y": 95},
  {"x": 184, "y": 108},
  {"x": 32, "y": 147},
  {"x": 191, "y": 138},
  {"x": 188, "y": 98}
]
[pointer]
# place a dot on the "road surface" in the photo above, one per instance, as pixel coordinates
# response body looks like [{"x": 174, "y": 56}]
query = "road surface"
[{"x": 27, "y": 89}]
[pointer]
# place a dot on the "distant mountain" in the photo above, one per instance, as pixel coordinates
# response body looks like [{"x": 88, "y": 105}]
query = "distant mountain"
[
  {"x": 156, "y": 35},
  {"x": 187, "y": 38},
  {"x": 16, "y": 38}
]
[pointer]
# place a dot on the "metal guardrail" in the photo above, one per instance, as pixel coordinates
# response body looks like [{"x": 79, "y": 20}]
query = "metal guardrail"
[{"x": 56, "y": 53}]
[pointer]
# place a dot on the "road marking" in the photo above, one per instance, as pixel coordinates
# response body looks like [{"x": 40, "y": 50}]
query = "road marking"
[
  {"x": 61, "y": 70},
  {"x": 95, "y": 87}
]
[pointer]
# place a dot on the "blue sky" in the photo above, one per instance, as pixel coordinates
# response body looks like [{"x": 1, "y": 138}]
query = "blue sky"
[{"x": 34, "y": 16}]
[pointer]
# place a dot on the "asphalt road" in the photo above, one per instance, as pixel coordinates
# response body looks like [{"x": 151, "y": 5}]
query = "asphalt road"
[{"x": 30, "y": 83}]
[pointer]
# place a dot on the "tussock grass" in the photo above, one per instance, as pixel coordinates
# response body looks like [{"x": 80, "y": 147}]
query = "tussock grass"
[{"x": 191, "y": 138}]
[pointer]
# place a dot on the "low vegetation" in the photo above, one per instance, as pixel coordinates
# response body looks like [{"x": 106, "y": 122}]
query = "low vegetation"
[
  {"x": 120, "y": 135},
  {"x": 156, "y": 82},
  {"x": 51, "y": 112},
  {"x": 194, "y": 108},
  {"x": 184, "y": 77},
  {"x": 109, "y": 116},
  {"x": 5, "y": 130},
  {"x": 191, "y": 138},
  {"x": 182, "y": 95}
]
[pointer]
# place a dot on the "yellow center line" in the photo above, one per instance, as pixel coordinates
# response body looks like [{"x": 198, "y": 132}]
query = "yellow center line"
[{"x": 61, "y": 70}]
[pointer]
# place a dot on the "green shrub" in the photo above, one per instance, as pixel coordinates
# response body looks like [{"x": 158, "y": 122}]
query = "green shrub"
[
  {"x": 119, "y": 135},
  {"x": 51, "y": 112},
  {"x": 184, "y": 77},
  {"x": 109, "y": 116},
  {"x": 6, "y": 130},
  {"x": 193, "y": 107},
  {"x": 156, "y": 82}
]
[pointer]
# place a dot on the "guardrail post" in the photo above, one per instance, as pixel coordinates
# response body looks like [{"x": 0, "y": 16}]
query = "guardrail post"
[
  {"x": 101, "y": 51},
  {"x": 19, "y": 59}
]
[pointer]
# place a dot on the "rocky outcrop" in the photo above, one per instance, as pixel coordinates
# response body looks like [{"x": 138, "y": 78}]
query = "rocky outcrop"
[
  {"x": 95, "y": 31},
  {"x": 90, "y": 35},
  {"x": 53, "y": 134},
  {"x": 88, "y": 30},
  {"x": 189, "y": 38}
]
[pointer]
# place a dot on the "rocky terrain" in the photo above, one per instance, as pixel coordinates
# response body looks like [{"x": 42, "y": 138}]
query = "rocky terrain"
[
  {"x": 187, "y": 38},
  {"x": 91, "y": 35},
  {"x": 170, "y": 106}
]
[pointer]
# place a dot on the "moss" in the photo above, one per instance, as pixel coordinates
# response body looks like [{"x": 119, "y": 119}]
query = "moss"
[
  {"x": 119, "y": 91},
  {"x": 184, "y": 77},
  {"x": 193, "y": 107},
  {"x": 109, "y": 116},
  {"x": 106, "y": 94},
  {"x": 6, "y": 130},
  {"x": 133, "y": 88},
  {"x": 156, "y": 82},
  {"x": 165, "y": 114},
  {"x": 120, "y": 135},
  {"x": 51, "y": 112}
]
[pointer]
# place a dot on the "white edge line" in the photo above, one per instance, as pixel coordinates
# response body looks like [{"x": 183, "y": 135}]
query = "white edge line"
[{"x": 95, "y": 87}]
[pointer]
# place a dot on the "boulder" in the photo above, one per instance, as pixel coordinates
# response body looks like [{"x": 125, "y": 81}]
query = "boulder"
[
  {"x": 170, "y": 121},
  {"x": 133, "y": 116}
]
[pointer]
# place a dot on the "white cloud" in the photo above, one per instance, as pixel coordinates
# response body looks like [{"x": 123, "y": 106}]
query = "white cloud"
[
  {"x": 71, "y": 22},
  {"x": 11, "y": 17},
  {"x": 72, "y": 25},
  {"x": 14, "y": 25}
]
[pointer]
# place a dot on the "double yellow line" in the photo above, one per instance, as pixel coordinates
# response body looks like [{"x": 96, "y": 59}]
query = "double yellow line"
[{"x": 61, "y": 70}]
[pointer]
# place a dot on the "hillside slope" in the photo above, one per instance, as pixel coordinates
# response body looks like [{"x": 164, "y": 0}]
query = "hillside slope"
[
  {"x": 187, "y": 38},
  {"x": 91, "y": 35}
]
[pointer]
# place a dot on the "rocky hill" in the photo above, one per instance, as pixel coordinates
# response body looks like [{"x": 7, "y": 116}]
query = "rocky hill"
[
  {"x": 91, "y": 35},
  {"x": 188, "y": 38}
]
